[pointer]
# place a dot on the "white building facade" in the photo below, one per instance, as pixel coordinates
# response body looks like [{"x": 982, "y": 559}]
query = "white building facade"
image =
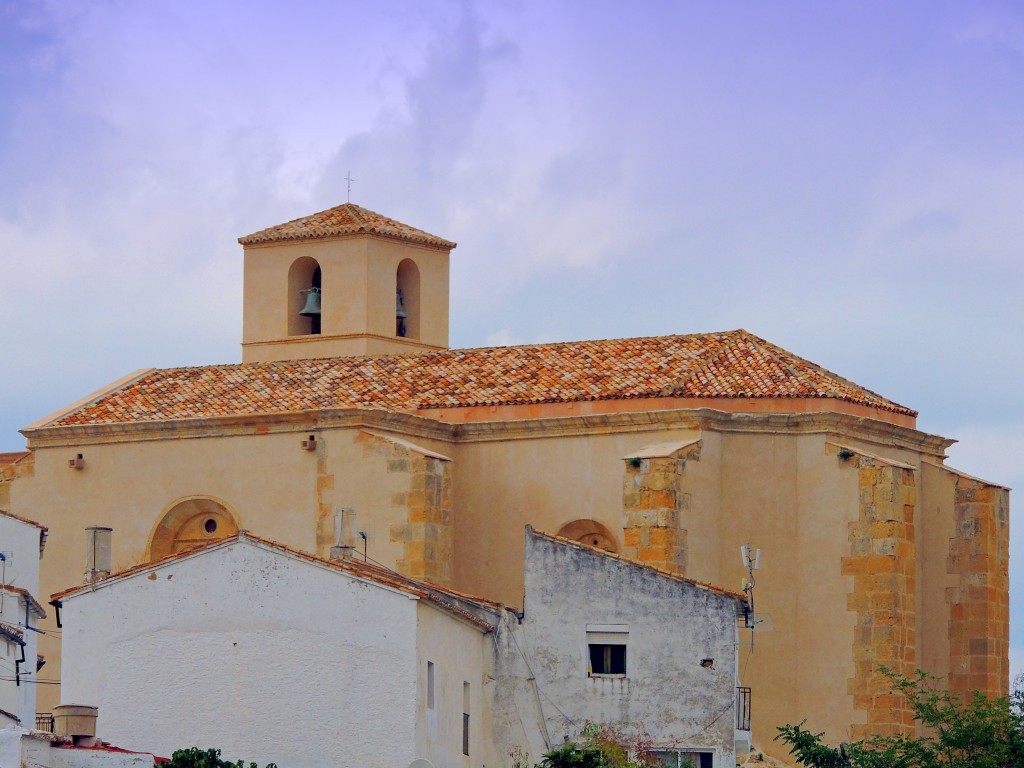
[
  {"x": 21, "y": 548},
  {"x": 274, "y": 655},
  {"x": 607, "y": 640}
]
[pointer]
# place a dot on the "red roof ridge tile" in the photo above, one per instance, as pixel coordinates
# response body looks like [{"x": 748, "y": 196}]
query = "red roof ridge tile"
[
  {"x": 347, "y": 219},
  {"x": 29, "y": 598}
]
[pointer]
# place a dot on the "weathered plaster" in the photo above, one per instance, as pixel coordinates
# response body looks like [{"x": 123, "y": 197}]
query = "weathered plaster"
[{"x": 542, "y": 689}]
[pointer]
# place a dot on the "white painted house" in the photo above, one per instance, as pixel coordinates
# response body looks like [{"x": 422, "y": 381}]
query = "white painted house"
[
  {"x": 21, "y": 548},
  {"x": 276, "y": 655},
  {"x": 273, "y": 655},
  {"x": 608, "y": 640}
]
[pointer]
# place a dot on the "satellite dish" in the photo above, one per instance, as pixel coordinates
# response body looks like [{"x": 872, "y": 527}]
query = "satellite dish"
[{"x": 419, "y": 762}]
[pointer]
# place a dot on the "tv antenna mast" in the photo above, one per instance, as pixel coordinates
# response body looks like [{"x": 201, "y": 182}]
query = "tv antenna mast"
[{"x": 751, "y": 557}]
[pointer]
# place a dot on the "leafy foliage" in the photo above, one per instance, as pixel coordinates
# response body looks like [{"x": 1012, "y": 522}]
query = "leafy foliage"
[
  {"x": 194, "y": 757},
  {"x": 976, "y": 732},
  {"x": 604, "y": 746}
]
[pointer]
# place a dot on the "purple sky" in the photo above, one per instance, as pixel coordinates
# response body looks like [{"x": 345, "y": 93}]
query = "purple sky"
[{"x": 846, "y": 180}]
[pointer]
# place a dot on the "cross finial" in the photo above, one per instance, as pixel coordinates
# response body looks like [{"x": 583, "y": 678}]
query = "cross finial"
[{"x": 349, "y": 179}]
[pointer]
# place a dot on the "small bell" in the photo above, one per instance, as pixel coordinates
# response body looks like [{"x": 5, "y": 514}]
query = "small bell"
[
  {"x": 312, "y": 308},
  {"x": 400, "y": 316}
]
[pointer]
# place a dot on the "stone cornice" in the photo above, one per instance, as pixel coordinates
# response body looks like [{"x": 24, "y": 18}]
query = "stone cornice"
[
  {"x": 700, "y": 419},
  {"x": 870, "y": 431},
  {"x": 404, "y": 424},
  {"x": 412, "y": 344}
]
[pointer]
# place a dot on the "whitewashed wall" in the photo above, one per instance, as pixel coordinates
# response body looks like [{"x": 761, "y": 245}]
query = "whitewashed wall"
[
  {"x": 264, "y": 655},
  {"x": 543, "y": 692},
  {"x": 20, "y": 544},
  {"x": 456, "y": 650}
]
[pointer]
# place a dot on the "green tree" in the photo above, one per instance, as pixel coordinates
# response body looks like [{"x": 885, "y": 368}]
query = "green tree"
[
  {"x": 604, "y": 746},
  {"x": 972, "y": 732},
  {"x": 194, "y": 757}
]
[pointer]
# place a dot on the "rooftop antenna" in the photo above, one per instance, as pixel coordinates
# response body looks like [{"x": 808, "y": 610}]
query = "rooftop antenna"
[
  {"x": 751, "y": 561},
  {"x": 349, "y": 179}
]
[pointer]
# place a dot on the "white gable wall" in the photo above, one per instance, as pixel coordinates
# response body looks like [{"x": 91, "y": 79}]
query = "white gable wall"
[
  {"x": 456, "y": 650},
  {"x": 20, "y": 544},
  {"x": 544, "y": 691},
  {"x": 267, "y": 656}
]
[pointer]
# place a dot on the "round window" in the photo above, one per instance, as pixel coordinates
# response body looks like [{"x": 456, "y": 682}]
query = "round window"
[{"x": 210, "y": 526}]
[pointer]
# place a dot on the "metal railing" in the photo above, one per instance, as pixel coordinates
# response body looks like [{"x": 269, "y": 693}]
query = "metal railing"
[
  {"x": 44, "y": 722},
  {"x": 742, "y": 709}
]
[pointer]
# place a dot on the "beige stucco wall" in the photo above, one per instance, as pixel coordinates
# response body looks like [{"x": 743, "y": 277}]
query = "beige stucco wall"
[
  {"x": 770, "y": 479},
  {"x": 358, "y": 300},
  {"x": 782, "y": 491},
  {"x": 266, "y": 481}
]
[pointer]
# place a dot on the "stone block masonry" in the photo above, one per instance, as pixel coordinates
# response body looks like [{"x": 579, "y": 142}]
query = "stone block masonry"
[
  {"x": 882, "y": 562},
  {"x": 979, "y": 611},
  {"x": 654, "y": 504},
  {"x": 425, "y": 505}
]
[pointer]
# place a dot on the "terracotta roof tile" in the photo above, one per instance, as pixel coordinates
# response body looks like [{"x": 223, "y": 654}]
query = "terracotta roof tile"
[
  {"x": 24, "y": 593},
  {"x": 11, "y": 631},
  {"x": 730, "y": 364},
  {"x": 347, "y": 219}
]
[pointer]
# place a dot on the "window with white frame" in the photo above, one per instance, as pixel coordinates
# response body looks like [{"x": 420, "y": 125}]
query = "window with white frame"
[{"x": 606, "y": 650}]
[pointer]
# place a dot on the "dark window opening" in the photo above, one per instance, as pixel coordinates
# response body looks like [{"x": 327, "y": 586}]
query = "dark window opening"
[
  {"x": 430, "y": 685},
  {"x": 465, "y": 733},
  {"x": 607, "y": 659},
  {"x": 210, "y": 525}
]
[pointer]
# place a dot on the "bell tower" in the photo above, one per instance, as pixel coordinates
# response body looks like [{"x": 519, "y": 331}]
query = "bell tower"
[{"x": 343, "y": 282}]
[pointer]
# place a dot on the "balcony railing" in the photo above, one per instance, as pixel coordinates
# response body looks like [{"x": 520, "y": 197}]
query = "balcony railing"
[
  {"x": 44, "y": 722},
  {"x": 742, "y": 709}
]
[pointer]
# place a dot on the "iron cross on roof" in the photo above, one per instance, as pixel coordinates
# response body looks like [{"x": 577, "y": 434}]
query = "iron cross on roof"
[{"x": 349, "y": 179}]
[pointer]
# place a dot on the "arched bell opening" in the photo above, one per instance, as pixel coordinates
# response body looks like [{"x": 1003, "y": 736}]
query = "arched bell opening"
[
  {"x": 590, "y": 532},
  {"x": 305, "y": 299},
  {"x": 407, "y": 309},
  {"x": 191, "y": 523}
]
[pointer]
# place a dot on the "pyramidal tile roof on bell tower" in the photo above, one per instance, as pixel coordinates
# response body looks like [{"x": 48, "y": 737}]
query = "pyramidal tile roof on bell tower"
[{"x": 345, "y": 220}]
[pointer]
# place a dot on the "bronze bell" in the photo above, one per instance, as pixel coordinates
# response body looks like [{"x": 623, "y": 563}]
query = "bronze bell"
[
  {"x": 399, "y": 311},
  {"x": 312, "y": 308}
]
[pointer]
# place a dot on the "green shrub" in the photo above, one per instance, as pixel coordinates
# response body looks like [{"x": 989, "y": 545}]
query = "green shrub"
[{"x": 194, "y": 757}]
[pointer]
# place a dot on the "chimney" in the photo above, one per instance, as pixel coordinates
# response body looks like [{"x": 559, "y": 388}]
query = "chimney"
[
  {"x": 76, "y": 721},
  {"x": 344, "y": 533},
  {"x": 97, "y": 553}
]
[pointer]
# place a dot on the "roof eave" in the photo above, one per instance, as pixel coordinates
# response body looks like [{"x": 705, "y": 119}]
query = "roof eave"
[{"x": 437, "y": 244}]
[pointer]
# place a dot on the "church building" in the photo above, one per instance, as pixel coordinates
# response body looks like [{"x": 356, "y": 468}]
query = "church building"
[{"x": 674, "y": 451}]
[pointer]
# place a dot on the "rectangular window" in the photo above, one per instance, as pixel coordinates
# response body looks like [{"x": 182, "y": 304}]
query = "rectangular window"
[
  {"x": 606, "y": 649},
  {"x": 465, "y": 718},
  {"x": 678, "y": 759},
  {"x": 430, "y": 685},
  {"x": 607, "y": 659}
]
